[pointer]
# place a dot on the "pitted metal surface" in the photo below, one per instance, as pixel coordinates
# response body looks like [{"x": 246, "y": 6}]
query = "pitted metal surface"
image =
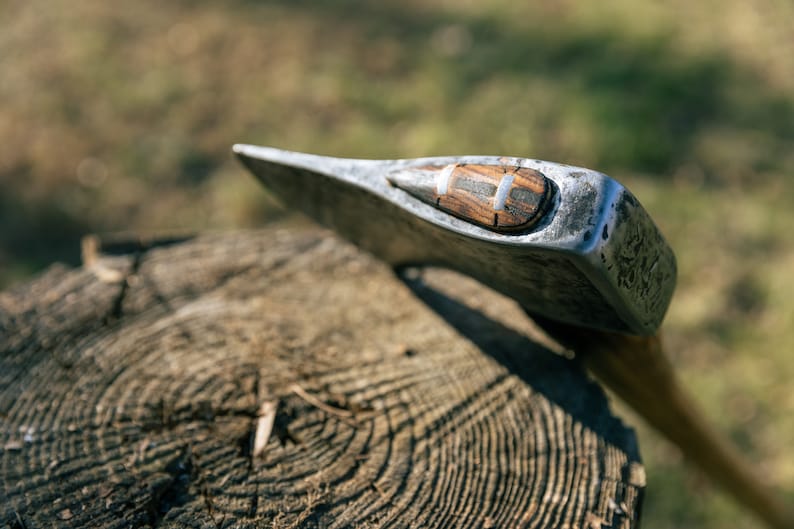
[{"x": 595, "y": 258}]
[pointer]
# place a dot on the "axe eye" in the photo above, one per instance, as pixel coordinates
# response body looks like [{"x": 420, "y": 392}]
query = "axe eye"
[{"x": 497, "y": 197}]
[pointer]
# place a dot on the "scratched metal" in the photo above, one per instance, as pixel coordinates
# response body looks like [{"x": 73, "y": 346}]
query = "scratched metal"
[{"x": 595, "y": 258}]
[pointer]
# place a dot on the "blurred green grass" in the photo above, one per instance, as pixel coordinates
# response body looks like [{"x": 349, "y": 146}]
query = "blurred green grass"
[{"x": 121, "y": 119}]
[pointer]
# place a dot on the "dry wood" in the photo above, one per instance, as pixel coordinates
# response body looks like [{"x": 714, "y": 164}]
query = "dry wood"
[{"x": 136, "y": 402}]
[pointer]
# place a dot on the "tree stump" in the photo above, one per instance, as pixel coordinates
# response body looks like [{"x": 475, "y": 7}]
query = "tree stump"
[{"x": 282, "y": 378}]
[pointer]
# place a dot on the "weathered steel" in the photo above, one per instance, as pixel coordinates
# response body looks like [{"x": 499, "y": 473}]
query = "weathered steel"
[{"x": 589, "y": 256}]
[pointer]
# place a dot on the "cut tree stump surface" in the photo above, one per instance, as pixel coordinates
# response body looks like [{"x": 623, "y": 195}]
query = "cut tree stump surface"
[{"x": 281, "y": 378}]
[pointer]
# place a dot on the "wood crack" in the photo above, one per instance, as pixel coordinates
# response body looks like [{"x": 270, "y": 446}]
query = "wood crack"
[
  {"x": 117, "y": 308},
  {"x": 184, "y": 475},
  {"x": 173, "y": 492}
]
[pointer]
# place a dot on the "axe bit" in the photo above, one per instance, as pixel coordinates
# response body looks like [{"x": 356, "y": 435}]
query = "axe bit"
[{"x": 571, "y": 245}]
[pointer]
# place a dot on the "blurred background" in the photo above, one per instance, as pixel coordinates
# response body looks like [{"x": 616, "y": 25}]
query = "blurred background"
[{"x": 121, "y": 119}]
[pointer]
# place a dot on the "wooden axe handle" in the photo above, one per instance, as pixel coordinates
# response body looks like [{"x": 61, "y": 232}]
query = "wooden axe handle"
[{"x": 638, "y": 371}]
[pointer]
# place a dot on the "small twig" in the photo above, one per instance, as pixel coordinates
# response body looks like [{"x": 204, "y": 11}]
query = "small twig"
[
  {"x": 314, "y": 401},
  {"x": 345, "y": 415}
]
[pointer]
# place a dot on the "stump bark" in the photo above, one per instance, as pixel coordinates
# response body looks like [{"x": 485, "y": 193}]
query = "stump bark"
[{"x": 281, "y": 378}]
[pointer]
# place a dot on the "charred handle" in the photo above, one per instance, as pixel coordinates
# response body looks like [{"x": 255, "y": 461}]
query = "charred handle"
[{"x": 638, "y": 371}]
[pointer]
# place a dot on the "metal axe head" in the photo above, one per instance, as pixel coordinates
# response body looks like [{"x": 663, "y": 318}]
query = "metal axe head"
[{"x": 568, "y": 243}]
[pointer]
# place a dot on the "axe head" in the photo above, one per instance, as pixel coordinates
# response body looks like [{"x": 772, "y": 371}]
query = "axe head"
[{"x": 569, "y": 244}]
